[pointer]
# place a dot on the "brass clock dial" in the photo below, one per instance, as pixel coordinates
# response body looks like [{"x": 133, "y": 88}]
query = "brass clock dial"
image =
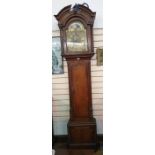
[{"x": 76, "y": 38}]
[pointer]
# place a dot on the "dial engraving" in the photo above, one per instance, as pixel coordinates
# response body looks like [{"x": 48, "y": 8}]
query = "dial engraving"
[{"x": 76, "y": 38}]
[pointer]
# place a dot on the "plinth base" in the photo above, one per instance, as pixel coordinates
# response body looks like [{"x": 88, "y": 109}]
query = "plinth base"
[{"x": 82, "y": 134}]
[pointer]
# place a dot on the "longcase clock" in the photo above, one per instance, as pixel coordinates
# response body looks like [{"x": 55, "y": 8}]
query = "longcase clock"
[{"x": 76, "y": 32}]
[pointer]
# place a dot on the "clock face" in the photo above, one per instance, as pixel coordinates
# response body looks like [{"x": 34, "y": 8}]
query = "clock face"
[{"x": 76, "y": 38}]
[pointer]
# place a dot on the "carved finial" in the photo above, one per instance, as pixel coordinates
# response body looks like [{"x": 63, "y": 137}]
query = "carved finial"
[
  {"x": 86, "y": 5},
  {"x": 75, "y": 8}
]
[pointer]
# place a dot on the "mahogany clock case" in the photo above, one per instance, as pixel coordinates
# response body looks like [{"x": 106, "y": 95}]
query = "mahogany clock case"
[{"x": 78, "y": 52}]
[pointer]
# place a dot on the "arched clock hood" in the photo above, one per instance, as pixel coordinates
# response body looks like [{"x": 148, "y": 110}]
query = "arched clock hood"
[
  {"x": 84, "y": 15},
  {"x": 66, "y": 14}
]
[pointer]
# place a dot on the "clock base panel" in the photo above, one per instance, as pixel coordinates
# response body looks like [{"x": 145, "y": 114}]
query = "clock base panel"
[{"x": 82, "y": 134}]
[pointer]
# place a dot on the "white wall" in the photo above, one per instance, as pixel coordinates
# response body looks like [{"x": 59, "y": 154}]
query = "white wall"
[{"x": 94, "y": 5}]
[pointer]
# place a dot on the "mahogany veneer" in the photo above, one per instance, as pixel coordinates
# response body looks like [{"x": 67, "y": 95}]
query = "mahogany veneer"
[{"x": 82, "y": 125}]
